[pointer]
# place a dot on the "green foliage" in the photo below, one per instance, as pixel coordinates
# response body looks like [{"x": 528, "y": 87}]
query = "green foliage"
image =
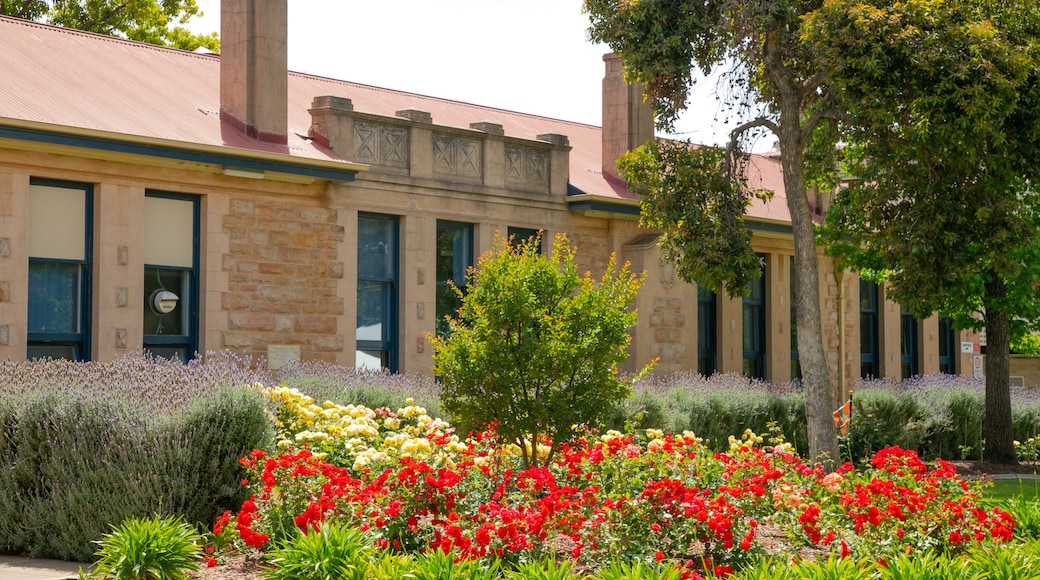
[
  {"x": 73, "y": 465},
  {"x": 152, "y": 21},
  {"x": 334, "y": 552},
  {"x": 628, "y": 570},
  {"x": 543, "y": 570},
  {"x": 942, "y": 103},
  {"x": 711, "y": 247},
  {"x": 440, "y": 565},
  {"x": 149, "y": 549},
  {"x": 535, "y": 349}
]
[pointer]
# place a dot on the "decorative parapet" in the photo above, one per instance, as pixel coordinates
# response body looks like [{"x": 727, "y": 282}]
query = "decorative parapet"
[
  {"x": 409, "y": 143},
  {"x": 380, "y": 144}
]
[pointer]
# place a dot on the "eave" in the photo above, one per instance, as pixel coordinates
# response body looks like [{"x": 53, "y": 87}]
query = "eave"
[{"x": 94, "y": 144}]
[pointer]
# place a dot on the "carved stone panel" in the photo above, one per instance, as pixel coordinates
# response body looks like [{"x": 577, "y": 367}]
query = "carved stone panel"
[
  {"x": 527, "y": 167},
  {"x": 456, "y": 156},
  {"x": 381, "y": 145}
]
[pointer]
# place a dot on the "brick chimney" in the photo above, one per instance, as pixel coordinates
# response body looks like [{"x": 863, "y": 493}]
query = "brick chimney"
[
  {"x": 628, "y": 122},
  {"x": 254, "y": 67}
]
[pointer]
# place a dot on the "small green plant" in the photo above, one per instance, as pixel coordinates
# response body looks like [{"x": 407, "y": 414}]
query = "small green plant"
[
  {"x": 332, "y": 552},
  {"x": 440, "y": 565},
  {"x": 149, "y": 549},
  {"x": 629, "y": 570},
  {"x": 543, "y": 570}
]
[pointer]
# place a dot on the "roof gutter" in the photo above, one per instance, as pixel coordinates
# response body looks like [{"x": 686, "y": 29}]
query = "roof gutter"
[
  {"x": 603, "y": 207},
  {"x": 232, "y": 161}
]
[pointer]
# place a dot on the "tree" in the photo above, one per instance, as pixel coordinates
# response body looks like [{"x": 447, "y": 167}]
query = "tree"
[
  {"x": 151, "y": 21},
  {"x": 535, "y": 347},
  {"x": 661, "y": 43},
  {"x": 942, "y": 138}
]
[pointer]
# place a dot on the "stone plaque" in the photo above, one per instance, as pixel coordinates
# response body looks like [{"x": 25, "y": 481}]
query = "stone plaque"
[{"x": 279, "y": 355}]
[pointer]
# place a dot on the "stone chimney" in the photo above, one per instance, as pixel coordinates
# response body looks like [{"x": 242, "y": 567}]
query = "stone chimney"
[
  {"x": 254, "y": 67},
  {"x": 628, "y": 122}
]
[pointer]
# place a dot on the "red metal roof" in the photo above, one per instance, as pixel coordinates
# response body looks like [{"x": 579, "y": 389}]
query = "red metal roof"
[{"x": 72, "y": 78}]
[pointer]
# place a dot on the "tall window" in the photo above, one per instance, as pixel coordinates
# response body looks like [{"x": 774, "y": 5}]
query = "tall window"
[
  {"x": 171, "y": 275},
  {"x": 755, "y": 328},
  {"x": 796, "y": 364},
  {"x": 947, "y": 346},
  {"x": 868, "y": 329},
  {"x": 454, "y": 257},
  {"x": 60, "y": 247},
  {"x": 377, "y": 292},
  {"x": 908, "y": 344},
  {"x": 707, "y": 344}
]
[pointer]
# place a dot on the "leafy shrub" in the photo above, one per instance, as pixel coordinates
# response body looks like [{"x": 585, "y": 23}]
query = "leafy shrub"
[
  {"x": 149, "y": 549},
  {"x": 535, "y": 348},
  {"x": 84, "y": 446}
]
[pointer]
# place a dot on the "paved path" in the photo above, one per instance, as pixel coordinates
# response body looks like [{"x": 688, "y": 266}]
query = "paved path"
[{"x": 18, "y": 568}]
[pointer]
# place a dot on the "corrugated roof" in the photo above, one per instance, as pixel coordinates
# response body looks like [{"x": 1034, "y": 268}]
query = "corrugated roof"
[{"x": 72, "y": 78}]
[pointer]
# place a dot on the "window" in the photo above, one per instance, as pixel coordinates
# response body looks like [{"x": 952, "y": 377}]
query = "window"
[
  {"x": 868, "y": 329},
  {"x": 171, "y": 274},
  {"x": 454, "y": 257},
  {"x": 706, "y": 332},
  {"x": 755, "y": 328},
  {"x": 60, "y": 247},
  {"x": 520, "y": 235},
  {"x": 909, "y": 365},
  {"x": 796, "y": 364},
  {"x": 947, "y": 346},
  {"x": 377, "y": 292}
]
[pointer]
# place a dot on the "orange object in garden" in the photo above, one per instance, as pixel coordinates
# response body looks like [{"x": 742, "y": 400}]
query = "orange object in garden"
[{"x": 843, "y": 415}]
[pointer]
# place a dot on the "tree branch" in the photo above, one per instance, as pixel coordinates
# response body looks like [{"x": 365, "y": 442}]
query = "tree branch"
[{"x": 821, "y": 111}]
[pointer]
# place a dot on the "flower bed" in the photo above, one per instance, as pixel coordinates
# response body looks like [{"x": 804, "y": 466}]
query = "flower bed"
[{"x": 415, "y": 486}]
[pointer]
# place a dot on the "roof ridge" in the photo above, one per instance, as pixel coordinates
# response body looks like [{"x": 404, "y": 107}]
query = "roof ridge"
[
  {"x": 441, "y": 99},
  {"x": 102, "y": 37}
]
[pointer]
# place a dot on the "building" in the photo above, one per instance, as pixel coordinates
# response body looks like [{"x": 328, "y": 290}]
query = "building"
[{"x": 180, "y": 202}]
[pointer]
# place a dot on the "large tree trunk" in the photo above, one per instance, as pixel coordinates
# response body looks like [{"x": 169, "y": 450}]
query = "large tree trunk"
[
  {"x": 819, "y": 398},
  {"x": 997, "y": 425}
]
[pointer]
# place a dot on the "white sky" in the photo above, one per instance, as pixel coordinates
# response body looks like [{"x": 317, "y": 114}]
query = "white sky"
[{"x": 531, "y": 56}]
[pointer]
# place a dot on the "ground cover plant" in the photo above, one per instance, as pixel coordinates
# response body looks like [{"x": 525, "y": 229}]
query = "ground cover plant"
[{"x": 414, "y": 486}]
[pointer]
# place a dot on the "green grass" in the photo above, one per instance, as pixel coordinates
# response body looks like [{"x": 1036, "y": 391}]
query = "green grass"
[{"x": 1003, "y": 489}]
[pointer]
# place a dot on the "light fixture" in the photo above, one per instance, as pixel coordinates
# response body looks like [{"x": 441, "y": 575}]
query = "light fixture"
[
  {"x": 246, "y": 173},
  {"x": 163, "y": 301}
]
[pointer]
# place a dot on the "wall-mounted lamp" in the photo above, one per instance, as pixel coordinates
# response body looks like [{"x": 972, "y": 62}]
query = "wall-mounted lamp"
[{"x": 163, "y": 301}]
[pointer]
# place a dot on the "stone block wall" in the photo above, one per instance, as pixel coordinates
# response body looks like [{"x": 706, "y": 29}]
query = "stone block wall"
[{"x": 283, "y": 270}]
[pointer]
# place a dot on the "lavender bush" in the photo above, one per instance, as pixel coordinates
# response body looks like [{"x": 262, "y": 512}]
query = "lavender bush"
[{"x": 86, "y": 445}]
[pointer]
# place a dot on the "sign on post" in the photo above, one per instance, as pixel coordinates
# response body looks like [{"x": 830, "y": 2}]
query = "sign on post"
[{"x": 978, "y": 367}]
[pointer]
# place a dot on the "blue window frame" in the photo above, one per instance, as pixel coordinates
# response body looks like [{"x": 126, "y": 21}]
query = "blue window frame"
[
  {"x": 454, "y": 257},
  {"x": 947, "y": 346},
  {"x": 908, "y": 347},
  {"x": 796, "y": 364},
  {"x": 60, "y": 266},
  {"x": 868, "y": 329},
  {"x": 707, "y": 338},
  {"x": 754, "y": 339},
  {"x": 377, "y": 288},
  {"x": 171, "y": 270}
]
